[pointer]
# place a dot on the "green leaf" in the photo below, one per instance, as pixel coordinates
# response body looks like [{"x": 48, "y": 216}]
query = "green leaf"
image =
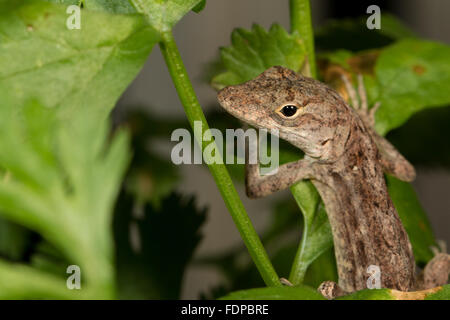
[
  {"x": 406, "y": 77},
  {"x": 14, "y": 240},
  {"x": 65, "y": 2},
  {"x": 394, "y": 28},
  {"x": 442, "y": 294},
  {"x": 413, "y": 217},
  {"x": 62, "y": 181},
  {"x": 252, "y": 52},
  {"x": 153, "y": 266},
  {"x": 340, "y": 57},
  {"x": 45, "y": 257},
  {"x": 316, "y": 237},
  {"x": 113, "y": 6},
  {"x": 369, "y": 294},
  {"x": 18, "y": 281},
  {"x": 199, "y": 7},
  {"x": 164, "y": 14},
  {"x": 279, "y": 293},
  {"x": 41, "y": 59},
  {"x": 322, "y": 269},
  {"x": 411, "y": 75}
]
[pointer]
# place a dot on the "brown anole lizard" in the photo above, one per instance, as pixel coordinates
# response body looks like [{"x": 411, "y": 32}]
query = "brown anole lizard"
[{"x": 346, "y": 160}]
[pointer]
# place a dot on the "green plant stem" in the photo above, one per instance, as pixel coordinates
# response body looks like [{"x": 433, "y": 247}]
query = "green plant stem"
[
  {"x": 301, "y": 22},
  {"x": 221, "y": 176}
]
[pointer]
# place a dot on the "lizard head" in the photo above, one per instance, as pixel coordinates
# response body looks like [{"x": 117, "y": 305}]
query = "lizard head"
[{"x": 306, "y": 112}]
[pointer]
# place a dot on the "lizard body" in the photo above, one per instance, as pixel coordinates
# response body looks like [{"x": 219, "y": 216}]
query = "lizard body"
[{"x": 344, "y": 158}]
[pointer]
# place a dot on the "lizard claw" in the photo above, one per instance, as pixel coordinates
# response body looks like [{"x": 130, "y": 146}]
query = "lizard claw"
[
  {"x": 351, "y": 92},
  {"x": 442, "y": 246},
  {"x": 286, "y": 282},
  {"x": 372, "y": 112},
  {"x": 361, "y": 105},
  {"x": 436, "y": 271},
  {"x": 362, "y": 93},
  {"x": 330, "y": 290}
]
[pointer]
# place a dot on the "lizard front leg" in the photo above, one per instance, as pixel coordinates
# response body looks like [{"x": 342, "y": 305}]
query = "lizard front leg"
[
  {"x": 331, "y": 290},
  {"x": 286, "y": 175},
  {"x": 391, "y": 159},
  {"x": 436, "y": 271}
]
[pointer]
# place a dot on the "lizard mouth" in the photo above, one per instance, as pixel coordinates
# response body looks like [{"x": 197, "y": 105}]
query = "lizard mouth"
[{"x": 222, "y": 97}]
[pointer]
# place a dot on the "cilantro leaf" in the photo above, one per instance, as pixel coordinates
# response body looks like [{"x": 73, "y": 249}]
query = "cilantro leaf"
[
  {"x": 164, "y": 14},
  {"x": 70, "y": 68},
  {"x": 252, "y": 52},
  {"x": 61, "y": 179}
]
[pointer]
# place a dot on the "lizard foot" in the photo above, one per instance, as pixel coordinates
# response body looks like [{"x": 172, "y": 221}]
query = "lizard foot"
[
  {"x": 286, "y": 282},
  {"x": 361, "y": 106},
  {"x": 330, "y": 290},
  {"x": 436, "y": 272},
  {"x": 391, "y": 160}
]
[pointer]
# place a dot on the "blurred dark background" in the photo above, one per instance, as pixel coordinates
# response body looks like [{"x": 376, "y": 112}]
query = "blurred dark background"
[{"x": 199, "y": 36}]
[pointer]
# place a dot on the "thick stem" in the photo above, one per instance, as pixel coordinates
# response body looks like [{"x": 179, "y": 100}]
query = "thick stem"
[
  {"x": 301, "y": 22},
  {"x": 218, "y": 170}
]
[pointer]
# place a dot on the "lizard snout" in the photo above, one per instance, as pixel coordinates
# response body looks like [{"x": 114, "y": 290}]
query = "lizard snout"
[
  {"x": 230, "y": 99},
  {"x": 225, "y": 96}
]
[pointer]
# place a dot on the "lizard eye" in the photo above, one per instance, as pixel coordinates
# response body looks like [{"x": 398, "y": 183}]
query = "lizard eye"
[{"x": 288, "y": 111}]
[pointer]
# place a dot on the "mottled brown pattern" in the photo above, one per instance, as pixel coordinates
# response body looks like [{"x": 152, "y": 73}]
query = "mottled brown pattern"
[
  {"x": 345, "y": 159},
  {"x": 436, "y": 271},
  {"x": 330, "y": 290}
]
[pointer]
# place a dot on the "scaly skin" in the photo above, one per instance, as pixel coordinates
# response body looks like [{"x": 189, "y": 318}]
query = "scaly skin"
[{"x": 345, "y": 159}]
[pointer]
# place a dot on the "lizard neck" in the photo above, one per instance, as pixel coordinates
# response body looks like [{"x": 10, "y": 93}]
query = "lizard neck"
[{"x": 366, "y": 227}]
